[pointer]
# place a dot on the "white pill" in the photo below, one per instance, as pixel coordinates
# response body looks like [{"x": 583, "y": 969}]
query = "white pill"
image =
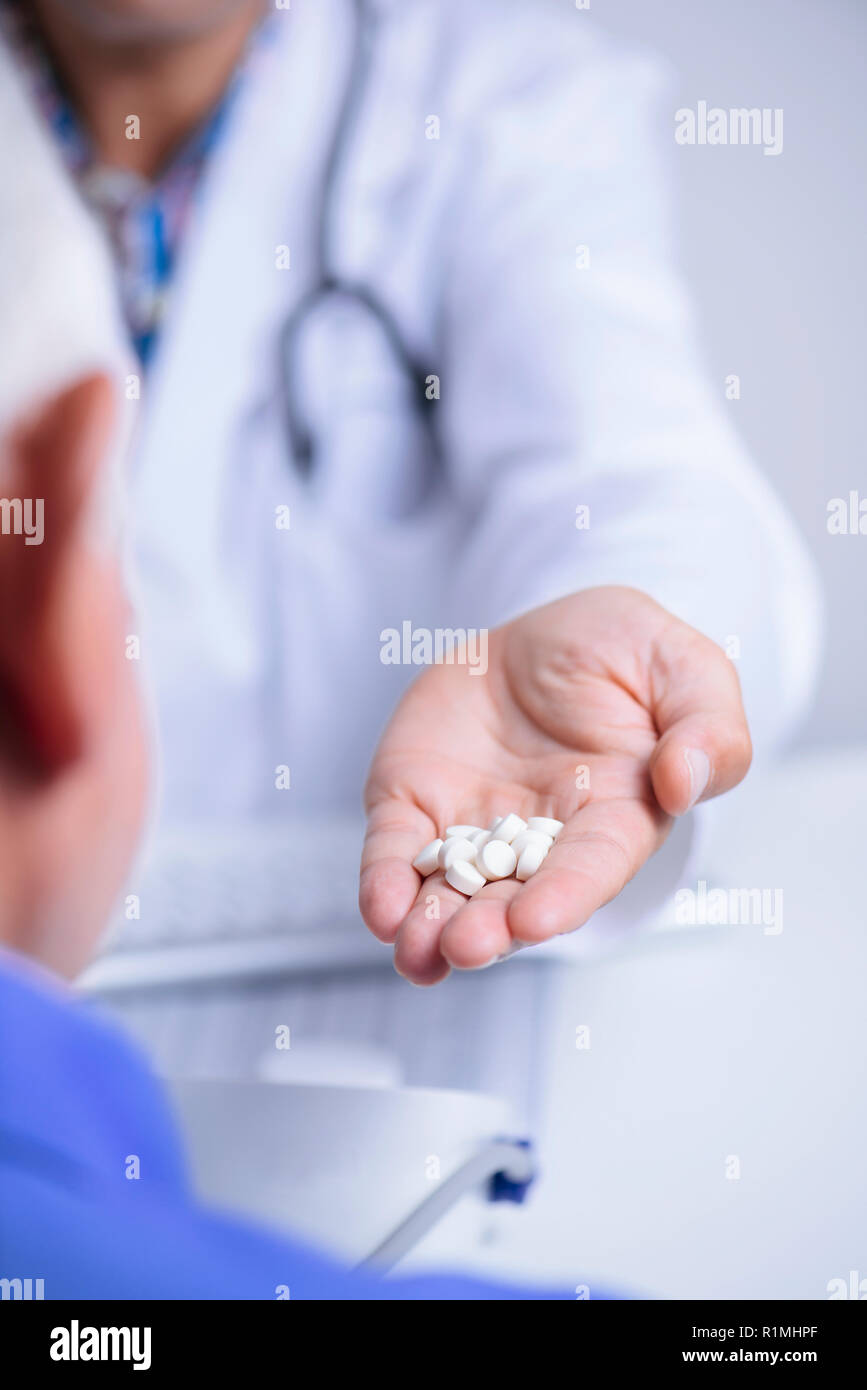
[
  {"x": 456, "y": 847},
  {"x": 463, "y": 832},
  {"x": 531, "y": 859},
  {"x": 546, "y": 825},
  {"x": 509, "y": 827},
  {"x": 530, "y": 837},
  {"x": 494, "y": 823},
  {"x": 464, "y": 877},
  {"x": 496, "y": 859},
  {"x": 480, "y": 838},
  {"x": 427, "y": 859}
]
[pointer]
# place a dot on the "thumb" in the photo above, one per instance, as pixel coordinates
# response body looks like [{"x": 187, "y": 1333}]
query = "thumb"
[{"x": 704, "y": 746}]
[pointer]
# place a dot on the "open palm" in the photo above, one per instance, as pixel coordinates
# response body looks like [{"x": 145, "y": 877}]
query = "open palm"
[{"x": 601, "y": 710}]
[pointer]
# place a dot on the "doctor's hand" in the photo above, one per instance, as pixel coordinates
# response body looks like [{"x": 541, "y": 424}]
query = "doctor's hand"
[{"x": 601, "y": 710}]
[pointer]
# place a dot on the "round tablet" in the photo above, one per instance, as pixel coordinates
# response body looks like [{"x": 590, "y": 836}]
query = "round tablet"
[
  {"x": 546, "y": 825},
  {"x": 496, "y": 859},
  {"x": 455, "y": 847},
  {"x": 530, "y": 837},
  {"x": 532, "y": 859},
  {"x": 464, "y": 877},
  {"x": 426, "y": 861},
  {"x": 509, "y": 827}
]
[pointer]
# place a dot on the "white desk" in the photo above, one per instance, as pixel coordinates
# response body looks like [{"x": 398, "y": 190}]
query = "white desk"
[
  {"x": 716, "y": 1042},
  {"x": 707, "y": 1044}
]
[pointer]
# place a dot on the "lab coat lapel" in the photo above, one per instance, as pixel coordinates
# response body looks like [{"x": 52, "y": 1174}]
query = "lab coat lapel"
[{"x": 217, "y": 365}]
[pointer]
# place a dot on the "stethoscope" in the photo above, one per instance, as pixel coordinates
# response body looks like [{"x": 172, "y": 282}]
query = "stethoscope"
[{"x": 329, "y": 284}]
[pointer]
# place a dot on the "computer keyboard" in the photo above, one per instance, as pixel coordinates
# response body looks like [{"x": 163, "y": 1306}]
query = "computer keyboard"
[{"x": 251, "y": 897}]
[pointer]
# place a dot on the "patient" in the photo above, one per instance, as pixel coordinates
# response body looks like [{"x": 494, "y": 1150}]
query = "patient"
[{"x": 76, "y": 1100}]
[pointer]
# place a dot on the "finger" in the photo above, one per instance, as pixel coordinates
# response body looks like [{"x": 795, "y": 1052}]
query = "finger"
[
  {"x": 388, "y": 886},
  {"x": 478, "y": 933},
  {"x": 417, "y": 954},
  {"x": 705, "y": 747},
  {"x": 594, "y": 857}
]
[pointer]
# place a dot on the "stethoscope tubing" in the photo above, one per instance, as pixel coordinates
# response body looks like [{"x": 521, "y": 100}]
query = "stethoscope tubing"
[{"x": 300, "y": 440}]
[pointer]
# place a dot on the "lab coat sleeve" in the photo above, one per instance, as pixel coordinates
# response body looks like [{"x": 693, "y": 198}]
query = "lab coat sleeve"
[{"x": 572, "y": 376}]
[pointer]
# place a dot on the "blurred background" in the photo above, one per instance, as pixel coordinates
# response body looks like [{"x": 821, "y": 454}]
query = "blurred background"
[{"x": 773, "y": 249}]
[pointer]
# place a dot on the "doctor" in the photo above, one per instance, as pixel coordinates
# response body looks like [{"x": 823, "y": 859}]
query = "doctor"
[{"x": 411, "y": 349}]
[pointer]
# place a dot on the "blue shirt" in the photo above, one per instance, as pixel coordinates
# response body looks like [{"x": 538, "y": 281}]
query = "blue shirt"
[{"x": 76, "y": 1100}]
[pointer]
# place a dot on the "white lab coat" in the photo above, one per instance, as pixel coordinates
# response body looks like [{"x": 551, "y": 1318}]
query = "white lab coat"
[{"x": 560, "y": 386}]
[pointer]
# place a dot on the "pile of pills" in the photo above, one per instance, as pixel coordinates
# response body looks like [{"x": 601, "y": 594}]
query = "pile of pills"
[{"x": 472, "y": 857}]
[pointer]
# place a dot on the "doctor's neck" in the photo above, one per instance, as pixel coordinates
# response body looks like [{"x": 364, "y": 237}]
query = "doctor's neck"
[{"x": 166, "y": 62}]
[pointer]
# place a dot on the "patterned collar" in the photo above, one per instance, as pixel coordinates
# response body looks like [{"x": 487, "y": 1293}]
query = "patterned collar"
[{"x": 144, "y": 221}]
